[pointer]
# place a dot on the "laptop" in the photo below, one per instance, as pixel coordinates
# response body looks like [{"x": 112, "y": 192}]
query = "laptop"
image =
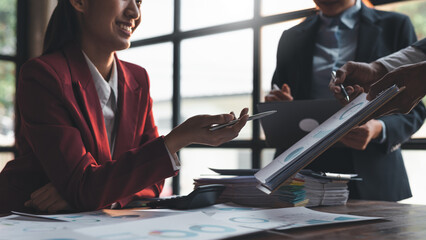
[{"x": 294, "y": 119}]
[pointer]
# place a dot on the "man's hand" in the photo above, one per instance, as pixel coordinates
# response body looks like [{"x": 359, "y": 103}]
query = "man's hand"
[
  {"x": 359, "y": 137},
  {"x": 279, "y": 95},
  {"x": 412, "y": 77},
  {"x": 357, "y": 78},
  {"x": 47, "y": 199}
]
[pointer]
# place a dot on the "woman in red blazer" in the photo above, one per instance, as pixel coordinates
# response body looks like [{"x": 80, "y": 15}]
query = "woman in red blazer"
[{"x": 65, "y": 156}]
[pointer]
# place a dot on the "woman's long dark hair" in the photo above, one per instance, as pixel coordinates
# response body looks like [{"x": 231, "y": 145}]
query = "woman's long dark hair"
[{"x": 62, "y": 28}]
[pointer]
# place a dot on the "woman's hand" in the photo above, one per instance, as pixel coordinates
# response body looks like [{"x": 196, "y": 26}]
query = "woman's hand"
[
  {"x": 196, "y": 130},
  {"x": 47, "y": 199}
]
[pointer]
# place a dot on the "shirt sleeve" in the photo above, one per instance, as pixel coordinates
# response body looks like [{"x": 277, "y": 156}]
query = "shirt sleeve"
[
  {"x": 405, "y": 56},
  {"x": 174, "y": 159},
  {"x": 382, "y": 136}
]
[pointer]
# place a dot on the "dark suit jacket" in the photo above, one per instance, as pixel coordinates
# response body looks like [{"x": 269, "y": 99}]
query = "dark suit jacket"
[
  {"x": 380, "y": 165},
  {"x": 63, "y": 138}
]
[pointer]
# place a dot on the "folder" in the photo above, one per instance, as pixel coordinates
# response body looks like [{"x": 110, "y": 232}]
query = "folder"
[{"x": 303, "y": 152}]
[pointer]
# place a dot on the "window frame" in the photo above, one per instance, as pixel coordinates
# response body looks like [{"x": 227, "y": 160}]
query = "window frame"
[{"x": 20, "y": 56}]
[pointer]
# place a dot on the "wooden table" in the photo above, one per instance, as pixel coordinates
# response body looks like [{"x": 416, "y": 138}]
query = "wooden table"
[{"x": 401, "y": 221}]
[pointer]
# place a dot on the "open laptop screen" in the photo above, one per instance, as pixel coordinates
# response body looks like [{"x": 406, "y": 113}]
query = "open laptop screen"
[{"x": 294, "y": 119}]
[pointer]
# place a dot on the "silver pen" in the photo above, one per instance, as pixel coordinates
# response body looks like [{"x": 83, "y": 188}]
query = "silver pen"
[
  {"x": 333, "y": 76},
  {"x": 252, "y": 117}
]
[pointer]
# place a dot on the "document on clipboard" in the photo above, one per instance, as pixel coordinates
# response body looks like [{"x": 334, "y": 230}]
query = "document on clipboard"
[{"x": 303, "y": 152}]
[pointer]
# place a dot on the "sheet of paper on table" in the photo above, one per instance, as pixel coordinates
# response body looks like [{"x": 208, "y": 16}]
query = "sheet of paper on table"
[{"x": 215, "y": 222}]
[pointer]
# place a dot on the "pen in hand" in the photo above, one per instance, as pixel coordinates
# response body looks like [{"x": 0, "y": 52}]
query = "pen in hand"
[
  {"x": 333, "y": 77},
  {"x": 275, "y": 87}
]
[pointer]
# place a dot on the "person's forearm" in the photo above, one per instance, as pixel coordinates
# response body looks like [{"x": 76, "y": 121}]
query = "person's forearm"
[
  {"x": 405, "y": 56},
  {"x": 380, "y": 69},
  {"x": 175, "y": 141}
]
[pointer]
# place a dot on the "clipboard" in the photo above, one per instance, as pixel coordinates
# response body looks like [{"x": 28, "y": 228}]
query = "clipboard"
[
  {"x": 236, "y": 172},
  {"x": 303, "y": 152}
]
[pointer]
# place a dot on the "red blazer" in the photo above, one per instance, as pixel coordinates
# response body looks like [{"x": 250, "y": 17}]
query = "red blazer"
[{"x": 62, "y": 137}]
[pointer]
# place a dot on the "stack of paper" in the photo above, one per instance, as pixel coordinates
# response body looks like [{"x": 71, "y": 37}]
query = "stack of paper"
[
  {"x": 242, "y": 190},
  {"x": 325, "y": 192}
]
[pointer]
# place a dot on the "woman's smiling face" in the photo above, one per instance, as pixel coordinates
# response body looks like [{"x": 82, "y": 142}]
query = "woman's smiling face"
[{"x": 109, "y": 23}]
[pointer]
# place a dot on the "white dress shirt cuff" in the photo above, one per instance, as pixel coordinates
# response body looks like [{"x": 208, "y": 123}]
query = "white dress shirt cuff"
[
  {"x": 174, "y": 159},
  {"x": 382, "y": 136},
  {"x": 176, "y": 166}
]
